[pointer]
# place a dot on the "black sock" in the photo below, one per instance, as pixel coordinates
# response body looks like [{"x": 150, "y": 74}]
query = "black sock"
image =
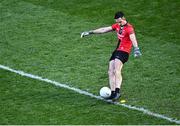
[{"x": 117, "y": 90}]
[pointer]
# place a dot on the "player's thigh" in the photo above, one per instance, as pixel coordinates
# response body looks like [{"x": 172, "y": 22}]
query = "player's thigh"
[
  {"x": 111, "y": 66},
  {"x": 118, "y": 65}
]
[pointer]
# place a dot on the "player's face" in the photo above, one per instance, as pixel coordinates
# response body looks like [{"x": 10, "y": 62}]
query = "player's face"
[{"x": 121, "y": 21}]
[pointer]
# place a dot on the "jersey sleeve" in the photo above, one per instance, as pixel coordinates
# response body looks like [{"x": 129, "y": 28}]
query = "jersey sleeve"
[
  {"x": 130, "y": 30},
  {"x": 114, "y": 26}
]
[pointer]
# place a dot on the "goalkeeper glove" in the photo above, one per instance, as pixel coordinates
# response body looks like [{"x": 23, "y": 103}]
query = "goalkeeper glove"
[
  {"x": 137, "y": 52},
  {"x": 86, "y": 33}
]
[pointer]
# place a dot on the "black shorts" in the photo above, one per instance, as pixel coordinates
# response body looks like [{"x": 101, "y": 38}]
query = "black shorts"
[{"x": 121, "y": 55}]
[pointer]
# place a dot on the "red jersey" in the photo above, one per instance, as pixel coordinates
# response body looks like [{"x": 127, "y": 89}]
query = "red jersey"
[{"x": 125, "y": 43}]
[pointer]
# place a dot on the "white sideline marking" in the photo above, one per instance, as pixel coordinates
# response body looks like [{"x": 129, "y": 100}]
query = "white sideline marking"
[{"x": 145, "y": 111}]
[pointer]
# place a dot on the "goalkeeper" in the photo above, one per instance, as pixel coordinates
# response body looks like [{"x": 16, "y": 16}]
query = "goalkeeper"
[{"x": 126, "y": 39}]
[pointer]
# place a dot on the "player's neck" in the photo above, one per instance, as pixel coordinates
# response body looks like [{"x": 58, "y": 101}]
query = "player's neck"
[{"x": 124, "y": 24}]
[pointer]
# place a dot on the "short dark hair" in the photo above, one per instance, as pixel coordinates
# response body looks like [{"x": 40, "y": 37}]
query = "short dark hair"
[{"x": 118, "y": 14}]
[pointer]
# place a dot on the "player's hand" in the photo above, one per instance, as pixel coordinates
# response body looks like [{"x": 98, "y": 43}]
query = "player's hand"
[
  {"x": 86, "y": 33},
  {"x": 137, "y": 52}
]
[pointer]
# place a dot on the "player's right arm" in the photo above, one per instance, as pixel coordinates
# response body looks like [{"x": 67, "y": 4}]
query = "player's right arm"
[{"x": 97, "y": 31}]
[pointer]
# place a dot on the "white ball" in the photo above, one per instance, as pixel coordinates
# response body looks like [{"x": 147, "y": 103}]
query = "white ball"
[{"x": 105, "y": 92}]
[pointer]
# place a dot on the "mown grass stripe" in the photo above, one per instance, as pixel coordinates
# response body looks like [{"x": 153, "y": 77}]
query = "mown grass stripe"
[{"x": 145, "y": 111}]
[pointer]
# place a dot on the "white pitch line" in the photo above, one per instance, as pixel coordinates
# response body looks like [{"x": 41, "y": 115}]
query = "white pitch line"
[{"x": 145, "y": 111}]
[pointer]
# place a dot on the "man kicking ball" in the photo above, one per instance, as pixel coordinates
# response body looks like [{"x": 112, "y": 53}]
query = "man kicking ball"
[{"x": 126, "y": 38}]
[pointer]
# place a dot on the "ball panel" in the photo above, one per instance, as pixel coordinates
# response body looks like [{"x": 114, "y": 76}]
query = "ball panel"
[{"x": 105, "y": 92}]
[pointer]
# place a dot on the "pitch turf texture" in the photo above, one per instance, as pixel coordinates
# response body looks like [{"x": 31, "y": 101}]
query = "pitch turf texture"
[{"x": 42, "y": 37}]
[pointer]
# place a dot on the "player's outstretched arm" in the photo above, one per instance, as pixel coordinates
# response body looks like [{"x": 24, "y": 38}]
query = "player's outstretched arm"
[
  {"x": 97, "y": 31},
  {"x": 137, "y": 52}
]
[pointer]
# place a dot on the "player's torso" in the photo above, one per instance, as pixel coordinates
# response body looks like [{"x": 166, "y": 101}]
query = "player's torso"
[{"x": 123, "y": 36}]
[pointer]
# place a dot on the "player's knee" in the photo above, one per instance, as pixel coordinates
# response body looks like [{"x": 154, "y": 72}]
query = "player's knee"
[
  {"x": 118, "y": 72},
  {"x": 111, "y": 72}
]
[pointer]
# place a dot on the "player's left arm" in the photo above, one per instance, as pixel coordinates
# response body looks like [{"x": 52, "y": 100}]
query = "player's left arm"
[{"x": 133, "y": 39}]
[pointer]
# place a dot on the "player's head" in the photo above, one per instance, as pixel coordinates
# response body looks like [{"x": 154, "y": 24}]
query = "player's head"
[
  {"x": 119, "y": 18},
  {"x": 118, "y": 14}
]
